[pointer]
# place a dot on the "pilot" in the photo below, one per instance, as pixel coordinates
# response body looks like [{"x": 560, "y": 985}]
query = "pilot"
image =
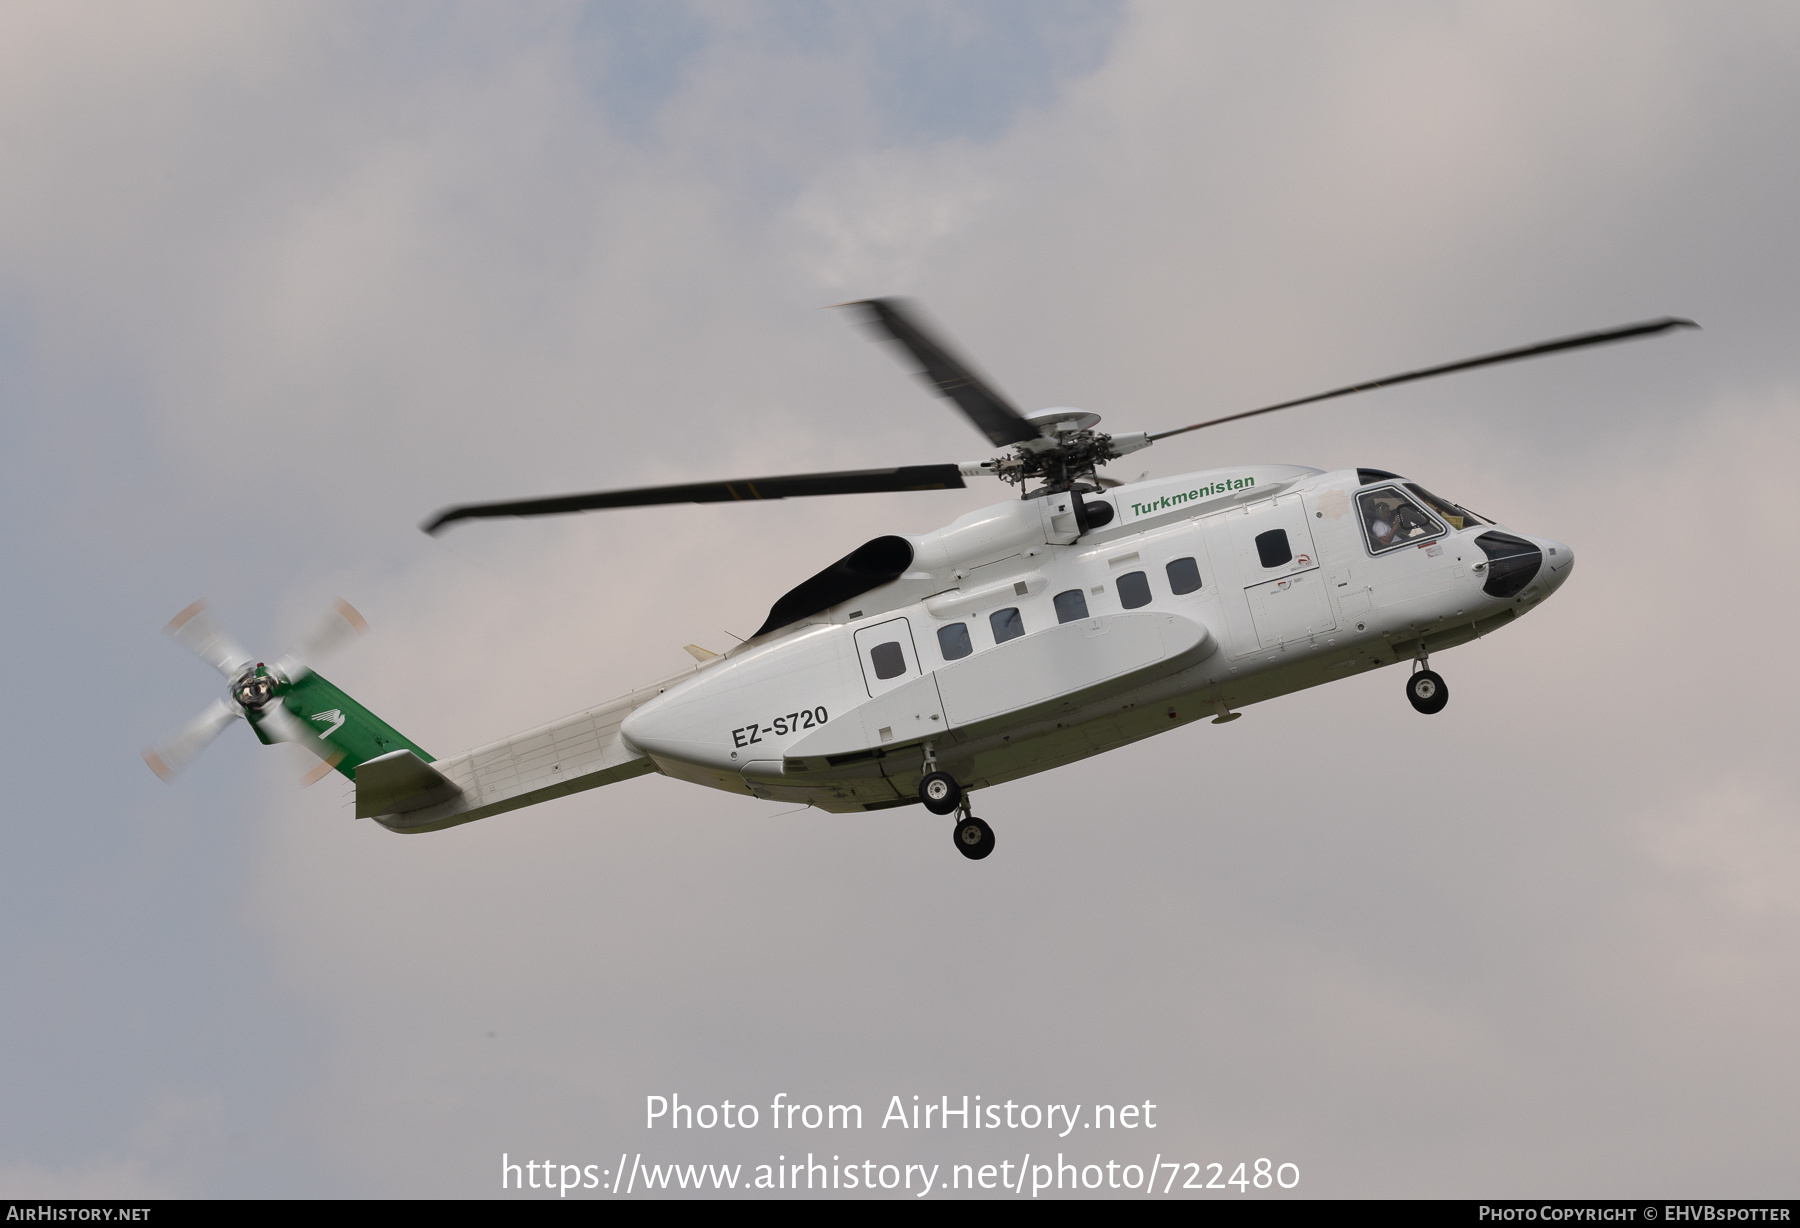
[
  {"x": 1408, "y": 522},
  {"x": 1381, "y": 523}
]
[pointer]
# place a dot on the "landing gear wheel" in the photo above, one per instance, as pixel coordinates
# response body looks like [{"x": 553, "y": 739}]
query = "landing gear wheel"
[
  {"x": 1427, "y": 692},
  {"x": 940, "y": 792},
  {"x": 974, "y": 838}
]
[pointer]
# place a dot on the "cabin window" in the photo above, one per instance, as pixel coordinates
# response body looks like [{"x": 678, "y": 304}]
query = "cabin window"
[
  {"x": 1134, "y": 589},
  {"x": 953, "y": 641},
  {"x": 889, "y": 661},
  {"x": 1007, "y": 624},
  {"x": 1071, "y": 606},
  {"x": 1273, "y": 549},
  {"x": 1184, "y": 576},
  {"x": 1392, "y": 520}
]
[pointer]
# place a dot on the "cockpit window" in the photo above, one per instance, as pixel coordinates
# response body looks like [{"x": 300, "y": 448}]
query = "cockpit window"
[
  {"x": 1456, "y": 517},
  {"x": 1391, "y": 519}
]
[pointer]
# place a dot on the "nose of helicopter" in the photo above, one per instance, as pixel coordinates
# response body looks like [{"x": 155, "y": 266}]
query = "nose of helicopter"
[{"x": 1559, "y": 561}]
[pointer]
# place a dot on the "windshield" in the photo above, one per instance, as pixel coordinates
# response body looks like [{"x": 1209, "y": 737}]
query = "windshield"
[
  {"x": 1458, "y": 517},
  {"x": 1391, "y": 520}
]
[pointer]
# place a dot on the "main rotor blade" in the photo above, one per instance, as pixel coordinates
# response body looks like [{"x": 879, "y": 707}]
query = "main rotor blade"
[
  {"x": 341, "y": 624},
  {"x": 172, "y": 754},
  {"x": 992, "y": 414},
  {"x": 1625, "y": 333},
  {"x": 195, "y": 631},
  {"x": 789, "y": 486}
]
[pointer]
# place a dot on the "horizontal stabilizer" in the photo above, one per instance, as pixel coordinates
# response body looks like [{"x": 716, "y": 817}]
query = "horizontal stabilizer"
[{"x": 398, "y": 782}]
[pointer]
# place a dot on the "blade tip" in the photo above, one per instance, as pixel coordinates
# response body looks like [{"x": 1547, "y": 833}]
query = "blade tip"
[
  {"x": 878, "y": 306},
  {"x": 321, "y": 771},
  {"x": 182, "y": 619},
  {"x": 350, "y": 615},
  {"x": 156, "y": 764}
]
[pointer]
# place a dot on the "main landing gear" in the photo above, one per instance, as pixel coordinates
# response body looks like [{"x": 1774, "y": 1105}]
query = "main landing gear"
[
  {"x": 1425, "y": 690},
  {"x": 974, "y": 838},
  {"x": 940, "y": 792},
  {"x": 942, "y": 795}
]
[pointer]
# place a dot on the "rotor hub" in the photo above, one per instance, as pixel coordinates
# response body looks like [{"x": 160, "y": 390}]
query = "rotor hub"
[
  {"x": 254, "y": 688},
  {"x": 1064, "y": 459},
  {"x": 1063, "y": 420}
]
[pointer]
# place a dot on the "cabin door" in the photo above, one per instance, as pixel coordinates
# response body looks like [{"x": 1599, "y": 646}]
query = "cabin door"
[
  {"x": 888, "y": 657},
  {"x": 1279, "y": 566}
]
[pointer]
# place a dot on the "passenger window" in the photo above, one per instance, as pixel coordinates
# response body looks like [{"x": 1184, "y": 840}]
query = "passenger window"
[
  {"x": 1184, "y": 576},
  {"x": 1391, "y": 520},
  {"x": 1273, "y": 549},
  {"x": 888, "y": 660},
  {"x": 1071, "y": 606},
  {"x": 1134, "y": 589},
  {"x": 953, "y": 641},
  {"x": 1007, "y": 624}
]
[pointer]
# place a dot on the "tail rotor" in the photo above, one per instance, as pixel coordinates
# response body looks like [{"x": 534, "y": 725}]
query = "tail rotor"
[
  {"x": 256, "y": 690},
  {"x": 195, "y": 630},
  {"x": 175, "y": 752}
]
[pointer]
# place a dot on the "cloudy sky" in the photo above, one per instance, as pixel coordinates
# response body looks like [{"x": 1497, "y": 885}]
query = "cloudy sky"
[{"x": 278, "y": 280}]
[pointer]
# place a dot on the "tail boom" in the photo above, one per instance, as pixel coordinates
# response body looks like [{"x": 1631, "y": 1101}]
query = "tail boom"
[{"x": 579, "y": 752}]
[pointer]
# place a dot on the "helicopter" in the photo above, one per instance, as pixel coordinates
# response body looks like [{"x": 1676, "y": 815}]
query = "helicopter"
[{"x": 1081, "y": 616}]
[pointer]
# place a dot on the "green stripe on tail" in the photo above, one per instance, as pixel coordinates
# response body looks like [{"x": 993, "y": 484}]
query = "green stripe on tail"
[{"x": 344, "y": 723}]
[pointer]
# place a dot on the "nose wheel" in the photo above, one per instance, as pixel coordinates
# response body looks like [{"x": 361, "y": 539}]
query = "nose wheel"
[{"x": 1426, "y": 691}]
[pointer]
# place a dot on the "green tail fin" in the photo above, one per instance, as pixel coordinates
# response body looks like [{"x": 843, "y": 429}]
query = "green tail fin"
[{"x": 344, "y": 723}]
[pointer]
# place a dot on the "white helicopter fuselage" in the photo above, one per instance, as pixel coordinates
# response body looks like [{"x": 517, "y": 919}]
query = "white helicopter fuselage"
[
  {"x": 1024, "y": 636},
  {"x": 1015, "y": 643}
]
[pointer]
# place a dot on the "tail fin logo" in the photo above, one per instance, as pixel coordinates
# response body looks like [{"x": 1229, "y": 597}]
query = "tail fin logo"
[{"x": 334, "y": 721}]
